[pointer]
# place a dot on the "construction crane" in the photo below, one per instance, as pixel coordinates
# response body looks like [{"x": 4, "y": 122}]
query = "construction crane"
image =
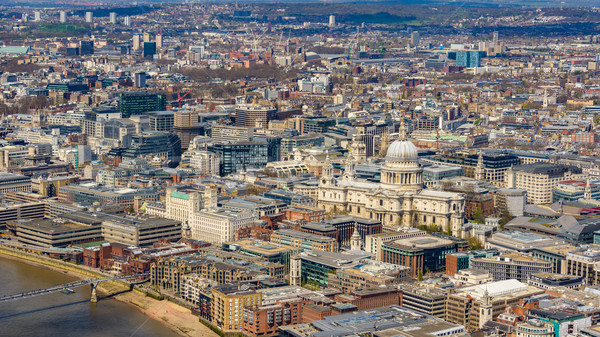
[{"x": 181, "y": 97}]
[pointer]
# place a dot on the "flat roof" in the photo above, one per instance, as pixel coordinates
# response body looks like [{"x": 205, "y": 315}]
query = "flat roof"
[
  {"x": 52, "y": 226},
  {"x": 425, "y": 241}
]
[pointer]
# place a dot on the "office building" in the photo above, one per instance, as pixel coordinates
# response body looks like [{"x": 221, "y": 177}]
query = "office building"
[
  {"x": 86, "y": 47},
  {"x": 89, "y": 17},
  {"x": 140, "y": 80},
  {"x": 137, "y": 41},
  {"x": 161, "y": 120},
  {"x": 289, "y": 145},
  {"x": 539, "y": 180},
  {"x": 136, "y": 103},
  {"x": 185, "y": 126},
  {"x": 228, "y": 133},
  {"x": 112, "y": 18},
  {"x": 584, "y": 262},
  {"x": 218, "y": 225},
  {"x": 468, "y": 59},
  {"x": 552, "y": 281},
  {"x": 476, "y": 305},
  {"x": 456, "y": 262},
  {"x": 316, "y": 266},
  {"x": 127, "y": 21},
  {"x": 236, "y": 157},
  {"x": 304, "y": 241},
  {"x": 53, "y": 232},
  {"x": 10, "y": 182},
  {"x": 426, "y": 300},
  {"x": 421, "y": 254},
  {"x": 512, "y": 200},
  {"x": 149, "y": 50},
  {"x": 415, "y": 38},
  {"x": 89, "y": 193},
  {"x": 390, "y": 320},
  {"x": 511, "y": 266},
  {"x": 368, "y": 274},
  {"x": 266, "y": 250},
  {"x": 556, "y": 254},
  {"x": 136, "y": 231},
  {"x": 523, "y": 242},
  {"x": 155, "y": 144},
  {"x": 204, "y": 162},
  {"x": 373, "y": 242},
  {"x": 252, "y": 116},
  {"x": 159, "y": 41}
]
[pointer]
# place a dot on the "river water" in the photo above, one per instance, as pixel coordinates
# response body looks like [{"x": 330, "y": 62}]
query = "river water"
[{"x": 61, "y": 315}]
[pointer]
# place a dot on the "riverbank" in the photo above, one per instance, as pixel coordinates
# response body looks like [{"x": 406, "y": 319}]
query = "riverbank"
[{"x": 171, "y": 315}]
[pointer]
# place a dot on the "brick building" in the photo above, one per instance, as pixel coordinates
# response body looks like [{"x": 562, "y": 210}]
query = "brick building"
[{"x": 370, "y": 298}]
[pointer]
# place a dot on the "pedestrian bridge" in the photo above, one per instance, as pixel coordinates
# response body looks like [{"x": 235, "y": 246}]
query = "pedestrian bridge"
[{"x": 92, "y": 282}]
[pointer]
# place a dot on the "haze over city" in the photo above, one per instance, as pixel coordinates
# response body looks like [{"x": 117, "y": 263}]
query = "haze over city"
[{"x": 314, "y": 169}]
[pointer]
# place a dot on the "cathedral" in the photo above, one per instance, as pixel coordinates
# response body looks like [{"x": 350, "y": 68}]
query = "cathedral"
[{"x": 399, "y": 199}]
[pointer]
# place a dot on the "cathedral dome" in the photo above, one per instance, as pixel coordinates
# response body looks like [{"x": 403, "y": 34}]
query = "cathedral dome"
[{"x": 402, "y": 150}]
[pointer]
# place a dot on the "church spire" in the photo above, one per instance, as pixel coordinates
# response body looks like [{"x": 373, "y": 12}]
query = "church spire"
[
  {"x": 588, "y": 190},
  {"x": 402, "y": 132},
  {"x": 355, "y": 240},
  {"x": 327, "y": 168},
  {"x": 350, "y": 168}
]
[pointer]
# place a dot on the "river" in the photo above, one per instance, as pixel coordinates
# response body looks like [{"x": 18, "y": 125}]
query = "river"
[{"x": 61, "y": 315}]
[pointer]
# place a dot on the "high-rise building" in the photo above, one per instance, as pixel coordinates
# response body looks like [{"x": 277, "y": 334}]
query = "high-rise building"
[
  {"x": 415, "y": 38},
  {"x": 495, "y": 39},
  {"x": 254, "y": 115},
  {"x": 113, "y": 18},
  {"x": 332, "y": 21},
  {"x": 86, "y": 47},
  {"x": 468, "y": 59},
  {"x": 140, "y": 80},
  {"x": 146, "y": 37},
  {"x": 37, "y": 16},
  {"x": 24, "y": 17},
  {"x": 239, "y": 156},
  {"x": 162, "y": 120},
  {"x": 63, "y": 16},
  {"x": 137, "y": 41},
  {"x": 149, "y": 49},
  {"x": 166, "y": 146},
  {"x": 127, "y": 21},
  {"x": 228, "y": 133},
  {"x": 159, "y": 40},
  {"x": 136, "y": 103},
  {"x": 186, "y": 126},
  {"x": 89, "y": 17}
]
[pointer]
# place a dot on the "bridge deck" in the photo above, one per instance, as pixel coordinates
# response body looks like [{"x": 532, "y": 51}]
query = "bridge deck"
[{"x": 61, "y": 287}]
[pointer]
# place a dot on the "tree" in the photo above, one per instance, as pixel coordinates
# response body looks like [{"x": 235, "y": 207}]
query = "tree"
[
  {"x": 474, "y": 243},
  {"x": 478, "y": 216},
  {"x": 131, "y": 209},
  {"x": 255, "y": 190},
  {"x": 505, "y": 218},
  {"x": 420, "y": 277}
]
